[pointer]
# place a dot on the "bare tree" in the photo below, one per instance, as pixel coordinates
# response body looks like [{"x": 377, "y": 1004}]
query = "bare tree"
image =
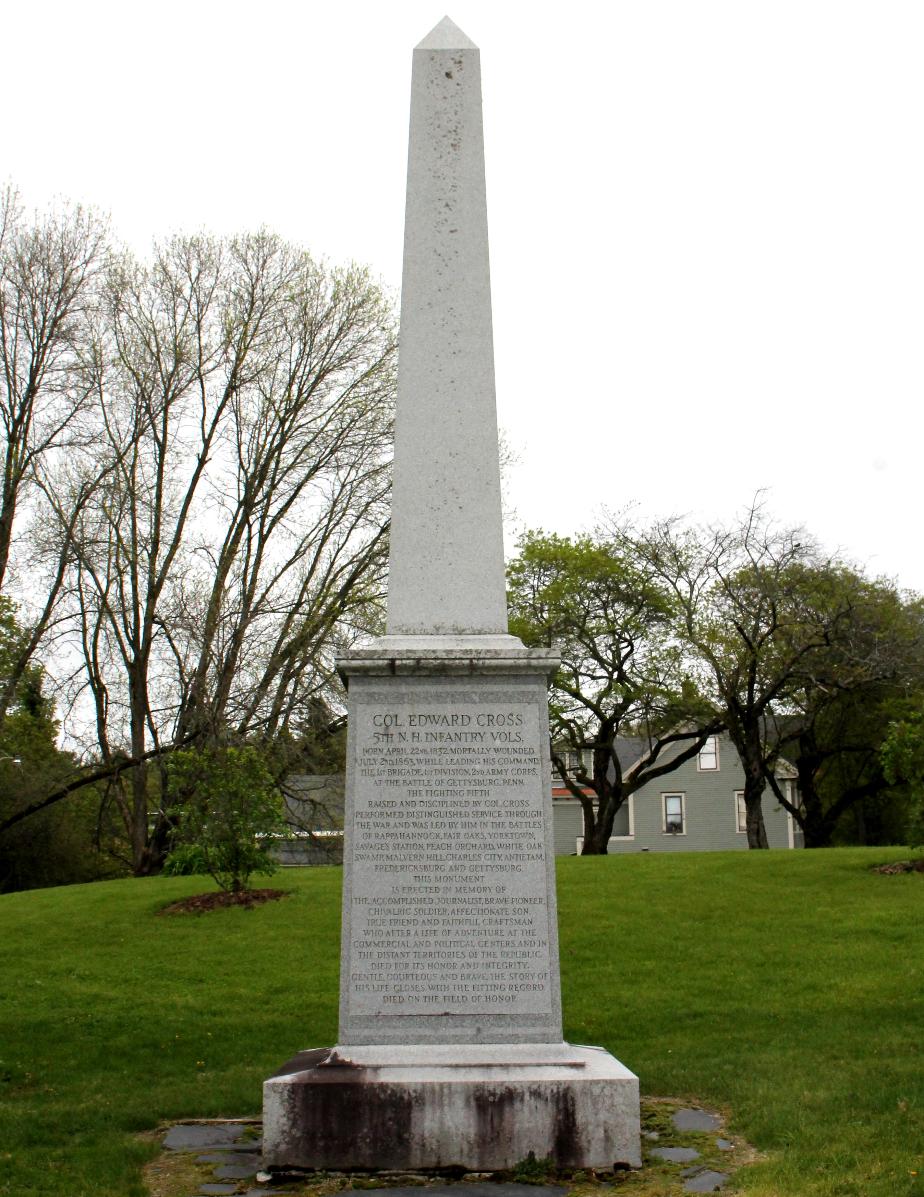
[
  {"x": 47, "y": 271},
  {"x": 245, "y": 404}
]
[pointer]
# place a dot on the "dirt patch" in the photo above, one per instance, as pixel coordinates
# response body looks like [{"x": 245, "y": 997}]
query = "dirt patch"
[
  {"x": 221, "y": 900},
  {"x": 901, "y": 866},
  {"x": 175, "y": 1176}
]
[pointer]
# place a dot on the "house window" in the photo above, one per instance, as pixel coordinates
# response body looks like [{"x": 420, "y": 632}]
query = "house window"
[
  {"x": 741, "y": 812},
  {"x": 708, "y": 758},
  {"x": 575, "y": 760},
  {"x": 674, "y": 814}
]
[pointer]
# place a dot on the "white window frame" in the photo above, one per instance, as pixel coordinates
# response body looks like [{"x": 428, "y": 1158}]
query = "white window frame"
[
  {"x": 792, "y": 793},
  {"x": 739, "y": 794},
  {"x": 700, "y": 767},
  {"x": 683, "y": 812}
]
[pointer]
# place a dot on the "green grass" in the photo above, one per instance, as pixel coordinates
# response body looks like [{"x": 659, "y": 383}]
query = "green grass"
[{"x": 785, "y": 988}]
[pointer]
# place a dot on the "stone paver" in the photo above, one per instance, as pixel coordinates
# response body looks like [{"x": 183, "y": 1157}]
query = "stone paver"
[
  {"x": 475, "y": 1190},
  {"x": 676, "y": 1155},
  {"x": 696, "y": 1120},
  {"x": 705, "y": 1182},
  {"x": 232, "y": 1147},
  {"x": 207, "y": 1136},
  {"x": 241, "y": 1169}
]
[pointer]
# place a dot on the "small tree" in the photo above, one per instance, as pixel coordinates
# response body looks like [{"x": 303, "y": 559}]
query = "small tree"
[
  {"x": 227, "y": 806},
  {"x": 56, "y": 846}
]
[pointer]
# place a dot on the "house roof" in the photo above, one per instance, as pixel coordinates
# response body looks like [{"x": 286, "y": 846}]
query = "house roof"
[{"x": 630, "y": 750}]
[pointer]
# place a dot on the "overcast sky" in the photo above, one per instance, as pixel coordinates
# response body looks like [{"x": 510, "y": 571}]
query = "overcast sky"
[{"x": 706, "y": 219}]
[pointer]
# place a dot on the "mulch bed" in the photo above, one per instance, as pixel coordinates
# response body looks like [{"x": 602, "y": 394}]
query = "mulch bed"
[
  {"x": 220, "y": 900},
  {"x": 901, "y": 866}
]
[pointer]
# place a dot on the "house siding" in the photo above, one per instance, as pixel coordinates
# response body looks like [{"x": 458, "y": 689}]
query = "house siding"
[
  {"x": 314, "y": 811},
  {"x": 709, "y": 813},
  {"x": 568, "y": 824}
]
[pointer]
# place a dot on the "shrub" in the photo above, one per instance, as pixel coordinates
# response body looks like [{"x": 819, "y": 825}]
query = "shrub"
[{"x": 225, "y": 806}]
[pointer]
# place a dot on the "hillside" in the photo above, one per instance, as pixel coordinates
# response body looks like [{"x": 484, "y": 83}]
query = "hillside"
[{"x": 786, "y": 988}]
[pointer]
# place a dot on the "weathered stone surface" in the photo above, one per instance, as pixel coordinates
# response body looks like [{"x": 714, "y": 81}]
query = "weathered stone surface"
[
  {"x": 238, "y": 1170},
  {"x": 479, "y": 1116}
]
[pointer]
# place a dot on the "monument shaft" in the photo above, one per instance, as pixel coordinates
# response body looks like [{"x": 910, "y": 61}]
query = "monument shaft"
[{"x": 446, "y": 572}]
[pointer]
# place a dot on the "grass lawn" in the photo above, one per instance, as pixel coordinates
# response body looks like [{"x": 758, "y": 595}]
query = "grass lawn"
[{"x": 785, "y": 988}]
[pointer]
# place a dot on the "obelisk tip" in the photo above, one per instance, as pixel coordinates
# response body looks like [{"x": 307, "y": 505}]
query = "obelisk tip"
[{"x": 446, "y": 36}]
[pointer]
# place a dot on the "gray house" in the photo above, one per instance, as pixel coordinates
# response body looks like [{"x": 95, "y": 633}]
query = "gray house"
[
  {"x": 697, "y": 808},
  {"x": 314, "y": 812}
]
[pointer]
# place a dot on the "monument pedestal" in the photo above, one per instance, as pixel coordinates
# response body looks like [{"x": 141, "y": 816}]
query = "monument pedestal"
[
  {"x": 450, "y": 1009},
  {"x": 481, "y": 1108}
]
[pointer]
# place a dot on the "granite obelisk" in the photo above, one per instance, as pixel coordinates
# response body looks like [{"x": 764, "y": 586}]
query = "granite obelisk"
[
  {"x": 450, "y": 1048},
  {"x": 446, "y": 573}
]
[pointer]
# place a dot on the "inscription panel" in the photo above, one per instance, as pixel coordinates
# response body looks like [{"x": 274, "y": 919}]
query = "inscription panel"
[{"x": 449, "y": 909}]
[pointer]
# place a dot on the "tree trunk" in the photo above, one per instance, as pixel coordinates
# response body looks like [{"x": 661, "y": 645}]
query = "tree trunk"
[
  {"x": 816, "y": 827},
  {"x": 597, "y": 830},
  {"x": 589, "y": 846},
  {"x": 757, "y": 832},
  {"x": 7, "y": 514},
  {"x": 747, "y": 741},
  {"x": 598, "y": 843},
  {"x": 142, "y": 865}
]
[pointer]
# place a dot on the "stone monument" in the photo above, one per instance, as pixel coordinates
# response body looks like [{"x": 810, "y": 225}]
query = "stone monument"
[{"x": 450, "y": 1047}]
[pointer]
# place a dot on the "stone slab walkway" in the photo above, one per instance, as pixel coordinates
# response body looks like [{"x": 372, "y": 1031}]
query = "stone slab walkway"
[{"x": 683, "y": 1146}]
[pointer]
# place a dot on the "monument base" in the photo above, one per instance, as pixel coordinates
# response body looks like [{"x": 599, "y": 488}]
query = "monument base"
[{"x": 426, "y": 1106}]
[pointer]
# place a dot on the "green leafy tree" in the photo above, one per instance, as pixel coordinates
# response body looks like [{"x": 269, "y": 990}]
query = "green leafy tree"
[
  {"x": 756, "y": 614},
  {"x": 790, "y": 644},
  {"x": 903, "y": 764},
  {"x": 848, "y": 697},
  {"x": 622, "y": 672},
  {"x": 227, "y": 807},
  {"x": 55, "y": 846}
]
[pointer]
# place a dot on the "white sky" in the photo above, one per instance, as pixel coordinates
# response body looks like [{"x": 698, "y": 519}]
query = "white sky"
[{"x": 707, "y": 218}]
